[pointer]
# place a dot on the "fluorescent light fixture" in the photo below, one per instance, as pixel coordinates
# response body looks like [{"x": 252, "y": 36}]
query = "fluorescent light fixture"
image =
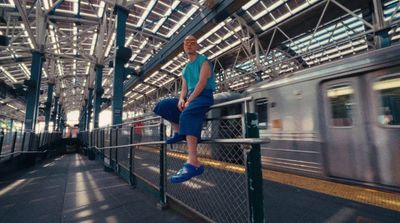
[
  {"x": 146, "y": 58},
  {"x": 44, "y": 73},
  {"x": 27, "y": 35},
  {"x": 75, "y": 36},
  {"x": 46, "y": 4},
  {"x": 387, "y": 84},
  {"x": 93, "y": 43},
  {"x": 160, "y": 78},
  {"x": 230, "y": 46},
  {"x": 249, "y": 4},
  {"x": 8, "y": 74},
  {"x": 213, "y": 30},
  {"x": 101, "y": 8},
  {"x": 88, "y": 68},
  {"x": 76, "y": 7},
  {"x": 110, "y": 44},
  {"x": 60, "y": 70},
  {"x": 146, "y": 12},
  {"x": 12, "y": 2},
  {"x": 340, "y": 91},
  {"x": 167, "y": 64},
  {"x": 25, "y": 69},
  {"x": 129, "y": 40},
  {"x": 11, "y": 106},
  {"x": 140, "y": 48},
  {"x": 183, "y": 20},
  {"x": 164, "y": 17}
]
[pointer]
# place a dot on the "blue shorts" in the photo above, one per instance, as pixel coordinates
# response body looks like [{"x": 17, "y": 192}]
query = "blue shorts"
[{"x": 191, "y": 119}]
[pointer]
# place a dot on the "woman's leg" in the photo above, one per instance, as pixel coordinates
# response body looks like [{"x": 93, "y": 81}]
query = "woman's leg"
[{"x": 192, "y": 150}]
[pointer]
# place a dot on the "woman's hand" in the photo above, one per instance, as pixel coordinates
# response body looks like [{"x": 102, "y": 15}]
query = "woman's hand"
[
  {"x": 187, "y": 104},
  {"x": 181, "y": 104}
]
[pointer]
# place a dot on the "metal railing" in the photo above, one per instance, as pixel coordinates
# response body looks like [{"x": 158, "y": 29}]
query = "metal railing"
[
  {"x": 230, "y": 190},
  {"x": 25, "y": 142}
]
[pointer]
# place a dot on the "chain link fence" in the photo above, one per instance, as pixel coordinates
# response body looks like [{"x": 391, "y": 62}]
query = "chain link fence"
[
  {"x": 13, "y": 144},
  {"x": 229, "y": 189}
]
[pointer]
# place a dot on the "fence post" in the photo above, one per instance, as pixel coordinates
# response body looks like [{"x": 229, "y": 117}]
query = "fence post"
[
  {"x": 116, "y": 166},
  {"x": 1, "y": 140},
  {"x": 163, "y": 169},
  {"x": 108, "y": 161},
  {"x": 132, "y": 179},
  {"x": 253, "y": 171},
  {"x": 23, "y": 141},
  {"x": 103, "y": 133},
  {"x": 13, "y": 144},
  {"x": 91, "y": 152}
]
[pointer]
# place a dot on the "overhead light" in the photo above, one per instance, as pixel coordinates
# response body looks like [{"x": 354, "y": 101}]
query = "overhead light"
[
  {"x": 183, "y": 20},
  {"x": 101, "y": 8},
  {"x": 249, "y": 4},
  {"x": 11, "y": 106},
  {"x": 8, "y": 74},
  {"x": 146, "y": 12},
  {"x": 340, "y": 91},
  {"x": 76, "y": 7},
  {"x": 168, "y": 13},
  {"x": 12, "y": 2},
  {"x": 29, "y": 39},
  {"x": 44, "y": 73},
  {"x": 25, "y": 69},
  {"x": 110, "y": 44},
  {"x": 387, "y": 84},
  {"x": 93, "y": 43}
]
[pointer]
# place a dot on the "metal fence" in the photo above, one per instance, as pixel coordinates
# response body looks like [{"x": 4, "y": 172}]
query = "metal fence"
[
  {"x": 230, "y": 190},
  {"x": 13, "y": 144}
]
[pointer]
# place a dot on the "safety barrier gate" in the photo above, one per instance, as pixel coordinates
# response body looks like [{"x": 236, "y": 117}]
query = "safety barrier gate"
[
  {"x": 230, "y": 189},
  {"x": 13, "y": 144}
]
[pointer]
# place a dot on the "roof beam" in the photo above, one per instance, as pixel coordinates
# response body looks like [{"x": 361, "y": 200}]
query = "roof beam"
[
  {"x": 25, "y": 21},
  {"x": 196, "y": 27},
  {"x": 16, "y": 60}
]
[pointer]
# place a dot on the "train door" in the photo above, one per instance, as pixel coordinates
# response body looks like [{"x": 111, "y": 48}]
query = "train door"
[
  {"x": 384, "y": 89},
  {"x": 346, "y": 150}
]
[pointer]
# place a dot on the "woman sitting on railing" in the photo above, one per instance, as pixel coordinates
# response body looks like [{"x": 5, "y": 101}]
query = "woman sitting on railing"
[{"x": 187, "y": 113}]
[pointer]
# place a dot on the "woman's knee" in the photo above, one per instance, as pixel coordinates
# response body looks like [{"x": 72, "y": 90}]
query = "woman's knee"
[{"x": 165, "y": 105}]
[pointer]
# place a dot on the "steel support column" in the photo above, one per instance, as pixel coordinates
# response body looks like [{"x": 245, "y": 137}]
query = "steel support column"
[
  {"x": 60, "y": 112},
  {"x": 89, "y": 108},
  {"x": 55, "y": 112},
  {"x": 32, "y": 98},
  {"x": 98, "y": 93},
  {"x": 119, "y": 69},
  {"x": 48, "y": 106},
  {"x": 382, "y": 38},
  {"x": 11, "y": 124},
  {"x": 84, "y": 109}
]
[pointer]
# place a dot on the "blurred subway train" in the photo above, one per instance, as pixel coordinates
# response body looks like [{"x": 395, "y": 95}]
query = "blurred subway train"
[{"x": 337, "y": 120}]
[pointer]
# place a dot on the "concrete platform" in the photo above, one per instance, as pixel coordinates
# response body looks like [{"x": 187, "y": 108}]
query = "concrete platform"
[{"x": 73, "y": 189}]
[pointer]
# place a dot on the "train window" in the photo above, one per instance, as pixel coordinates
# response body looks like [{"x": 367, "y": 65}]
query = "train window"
[
  {"x": 388, "y": 89},
  {"x": 262, "y": 110},
  {"x": 341, "y": 102}
]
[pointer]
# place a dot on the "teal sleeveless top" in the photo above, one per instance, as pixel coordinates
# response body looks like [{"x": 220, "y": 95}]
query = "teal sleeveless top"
[{"x": 191, "y": 73}]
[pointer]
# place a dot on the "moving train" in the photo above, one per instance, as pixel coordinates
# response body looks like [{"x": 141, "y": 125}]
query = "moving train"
[{"x": 338, "y": 120}]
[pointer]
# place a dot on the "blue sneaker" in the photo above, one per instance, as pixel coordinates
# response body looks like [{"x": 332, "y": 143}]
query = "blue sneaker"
[
  {"x": 175, "y": 139},
  {"x": 186, "y": 173}
]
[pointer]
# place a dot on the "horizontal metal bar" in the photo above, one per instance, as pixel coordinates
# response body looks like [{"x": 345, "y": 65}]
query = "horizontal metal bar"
[
  {"x": 203, "y": 141},
  {"x": 240, "y": 100},
  {"x": 225, "y": 117},
  {"x": 28, "y": 152},
  {"x": 132, "y": 122}
]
